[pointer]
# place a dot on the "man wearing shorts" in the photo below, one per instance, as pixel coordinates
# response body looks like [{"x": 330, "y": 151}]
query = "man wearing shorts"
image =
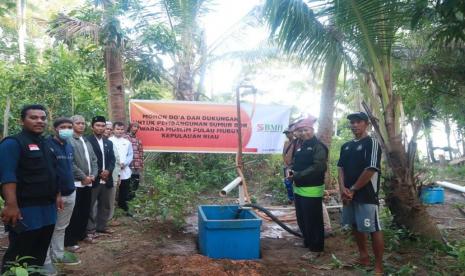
[{"x": 359, "y": 177}]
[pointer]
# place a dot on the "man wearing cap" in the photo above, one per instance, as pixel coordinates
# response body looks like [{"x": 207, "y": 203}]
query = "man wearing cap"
[
  {"x": 288, "y": 152},
  {"x": 359, "y": 178},
  {"x": 308, "y": 173},
  {"x": 102, "y": 186}
]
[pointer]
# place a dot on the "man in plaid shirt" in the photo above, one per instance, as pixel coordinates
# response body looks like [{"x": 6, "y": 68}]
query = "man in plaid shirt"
[{"x": 137, "y": 164}]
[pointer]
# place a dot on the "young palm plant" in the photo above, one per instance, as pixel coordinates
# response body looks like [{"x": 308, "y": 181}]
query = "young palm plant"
[{"x": 362, "y": 33}]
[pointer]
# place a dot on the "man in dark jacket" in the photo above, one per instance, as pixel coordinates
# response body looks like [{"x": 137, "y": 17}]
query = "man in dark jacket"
[
  {"x": 102, "y": 186},
  {"x": 308, "y": 174},
  {"x": 29, "y": 188}
]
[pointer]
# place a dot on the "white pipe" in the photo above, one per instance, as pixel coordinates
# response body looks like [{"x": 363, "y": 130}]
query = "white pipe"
[
  {"x": 451, "y": 186},
  {"x": 230, "y": 186},
  {"x": 241, "y": 195}
]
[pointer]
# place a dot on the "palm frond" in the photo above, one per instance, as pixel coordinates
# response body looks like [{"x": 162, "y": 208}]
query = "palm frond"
[
  {"x": 67, "y": 29},
  {"x": 6, "y": 6},
  {"x": 370, "y": 23},
  {"x": 297, "y": 30},
  {"x": 185, "y": 13}
]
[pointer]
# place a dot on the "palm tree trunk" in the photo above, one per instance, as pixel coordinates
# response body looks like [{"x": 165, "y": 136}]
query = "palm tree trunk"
[
  {"x": 462, "y": 135},
  {"x": 21, "y": 25},
  {"x": 400, "y": 186},
  {"x": 328, "y": 96},
  {"x": 447, "y": 128},
  {"x": 202, "y": 66},
  {"x": 114, "y": 78},
  {"x": 6, "y": 116},
  {"x": 402, "y": 196},
  {"x": 184, "y": 89},
  {"x": 429, "y": 140}
]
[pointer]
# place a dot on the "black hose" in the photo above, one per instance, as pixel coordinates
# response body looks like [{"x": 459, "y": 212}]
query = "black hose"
[{"x": 274, "y": 218}]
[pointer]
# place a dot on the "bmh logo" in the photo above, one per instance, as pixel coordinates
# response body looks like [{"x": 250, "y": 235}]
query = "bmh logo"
[{"x": 269, "y": 128}]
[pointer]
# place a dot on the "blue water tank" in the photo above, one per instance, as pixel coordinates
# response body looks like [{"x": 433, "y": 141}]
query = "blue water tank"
[
  {"x": 225, "y": 232},
  {"x": 432, "y": 195}
]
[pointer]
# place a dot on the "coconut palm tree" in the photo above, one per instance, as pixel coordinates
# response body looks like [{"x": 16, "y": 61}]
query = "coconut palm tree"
[
  {"x": 104, "y": 28},
  {"x": 362, "y": 33}
]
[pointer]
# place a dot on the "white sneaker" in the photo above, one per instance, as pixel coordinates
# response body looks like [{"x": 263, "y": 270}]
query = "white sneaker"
[
  {"x": 74, "y": 248},
  {"x": 49, "y": 269}
]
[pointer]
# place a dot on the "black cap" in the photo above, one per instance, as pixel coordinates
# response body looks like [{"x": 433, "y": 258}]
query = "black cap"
[
  {"x": 98, "y": 119},
  {"x": 358, "y": 115}
]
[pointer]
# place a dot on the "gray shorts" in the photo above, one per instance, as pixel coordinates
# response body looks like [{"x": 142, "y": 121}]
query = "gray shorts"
[{"x": 363, "y": 217}]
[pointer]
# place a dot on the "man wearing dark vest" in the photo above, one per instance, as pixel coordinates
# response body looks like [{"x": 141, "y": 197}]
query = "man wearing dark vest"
[
  {"x": 29, "y": 188},
  {"x": 308, "y": 173},
  {"x": 102, "y": 186}
]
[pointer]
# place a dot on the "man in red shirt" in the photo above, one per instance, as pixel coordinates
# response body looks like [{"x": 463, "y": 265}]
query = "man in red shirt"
[{"x": 137, "y": 164}]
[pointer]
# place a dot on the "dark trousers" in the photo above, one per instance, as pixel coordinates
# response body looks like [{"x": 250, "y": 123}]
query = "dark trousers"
[
  {"x": 77, "y": 228},
  {"x": 309, "y": 213},
  {"x": 135, "y": 178},
  {"x": 123, "y": 194},
  {"x": 32, "y": 243}
]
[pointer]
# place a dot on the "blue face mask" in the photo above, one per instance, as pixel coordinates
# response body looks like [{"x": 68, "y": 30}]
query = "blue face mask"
[{"x": 65, "y": 133}]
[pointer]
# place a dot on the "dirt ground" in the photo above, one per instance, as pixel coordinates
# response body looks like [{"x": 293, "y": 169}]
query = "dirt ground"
[
  {"x": 159, "y": 249},
  {"x": 153, "y": 248}
]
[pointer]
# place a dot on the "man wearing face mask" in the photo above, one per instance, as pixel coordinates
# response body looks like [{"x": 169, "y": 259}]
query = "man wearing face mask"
[{"x": 63, "y": 151}]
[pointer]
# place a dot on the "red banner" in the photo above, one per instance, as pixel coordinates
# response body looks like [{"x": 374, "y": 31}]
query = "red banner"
[{"x": 191, "y": 126}]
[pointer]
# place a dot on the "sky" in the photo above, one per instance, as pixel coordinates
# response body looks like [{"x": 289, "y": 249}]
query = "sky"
[{"x": 272, "y": 82}]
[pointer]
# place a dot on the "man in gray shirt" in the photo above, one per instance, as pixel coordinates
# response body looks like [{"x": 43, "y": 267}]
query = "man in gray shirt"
[{"x": 84, "y": 169}]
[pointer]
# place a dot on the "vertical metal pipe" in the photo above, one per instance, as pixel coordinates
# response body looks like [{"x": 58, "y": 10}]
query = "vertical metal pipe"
[{"x": 239, "y": 162}]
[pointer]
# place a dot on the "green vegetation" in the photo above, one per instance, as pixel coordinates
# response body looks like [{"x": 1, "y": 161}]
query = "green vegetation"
[
  {"x": 20, "y": 268},
  {"x": 173, "y": 183}
]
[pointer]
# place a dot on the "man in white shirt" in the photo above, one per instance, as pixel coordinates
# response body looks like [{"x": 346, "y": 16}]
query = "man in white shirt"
[
  {"x": 109, "y": 133},
  {"x": 124, "y": 148}
]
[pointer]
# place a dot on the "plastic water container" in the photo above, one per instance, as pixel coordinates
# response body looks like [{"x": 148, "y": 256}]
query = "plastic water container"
[
  {"x": 225, "y": 232},
  {"x": 432, "y": 195}
]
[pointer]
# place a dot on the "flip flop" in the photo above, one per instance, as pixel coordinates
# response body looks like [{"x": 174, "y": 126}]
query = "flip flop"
[{"x": 357, "y": 262}]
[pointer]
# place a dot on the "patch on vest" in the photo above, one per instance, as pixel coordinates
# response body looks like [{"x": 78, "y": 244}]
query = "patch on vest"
[
  {"x": 359, "y": 148},
  {"x": 33, "y": 147},
  {"x": 347, "y": 148}
]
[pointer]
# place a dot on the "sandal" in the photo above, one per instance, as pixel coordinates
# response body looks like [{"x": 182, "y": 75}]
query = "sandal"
[
  {"x": 310, "y": 256},
  {"x": 357, "y": 262},
  {"x": 106, "y": 231},
  {"x": 89, "y": 240}
]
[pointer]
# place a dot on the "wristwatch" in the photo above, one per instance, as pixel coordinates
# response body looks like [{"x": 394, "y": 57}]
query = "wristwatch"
[{"x": 352, "y": 189}]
